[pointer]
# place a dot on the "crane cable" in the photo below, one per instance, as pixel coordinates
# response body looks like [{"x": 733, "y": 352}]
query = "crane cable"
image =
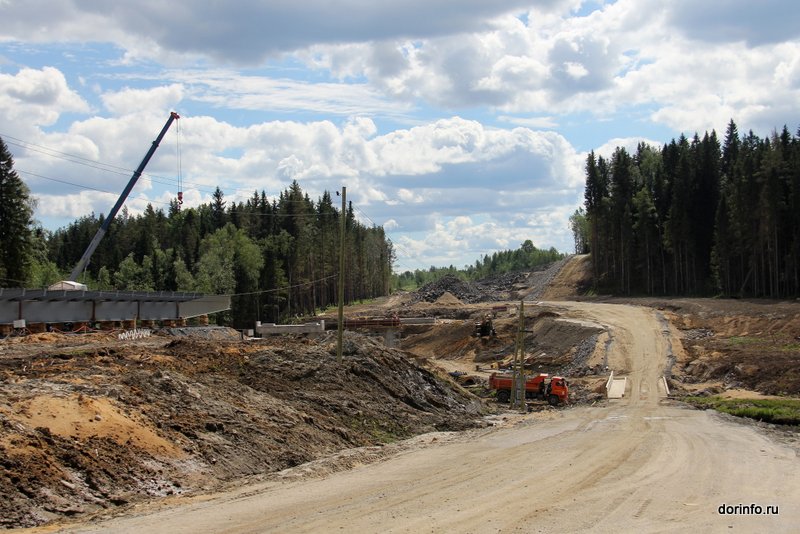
[{"x": 180, "y": 164}]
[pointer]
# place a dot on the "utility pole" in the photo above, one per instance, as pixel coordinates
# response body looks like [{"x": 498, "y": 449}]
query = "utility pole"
[
  {"x": 514, "y": 369},
  {"x": 340, "y": 323},
  {"x": 518, "y": 395}
]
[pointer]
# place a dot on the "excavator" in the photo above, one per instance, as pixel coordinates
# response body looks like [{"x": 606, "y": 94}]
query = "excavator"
[{"x": 484, "y": 327}]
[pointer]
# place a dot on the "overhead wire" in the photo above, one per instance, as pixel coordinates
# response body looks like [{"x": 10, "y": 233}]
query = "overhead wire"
[
  {"x": 304, "y": 284},
  {"x": 140, "y": 197},
  {"x": 180, "y": 163},
  {"x": 385, "y": 231},
  {"x": 116, "y": 169},
  {"x": 152, "y": 201},
  {"x": 394, "y": 244}
]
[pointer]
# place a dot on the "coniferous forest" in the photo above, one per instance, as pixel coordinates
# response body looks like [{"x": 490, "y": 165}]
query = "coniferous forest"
[
  {"x": 279, "y": 257},
  {"x": 698, "y": 216}
]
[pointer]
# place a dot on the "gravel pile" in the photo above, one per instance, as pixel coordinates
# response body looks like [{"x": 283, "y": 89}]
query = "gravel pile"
[
  {"x": 540, "y": 280},
  {"x": 503, "y": 286},
  {"x": 500, "y": 287},
  {"x": 463, "y": 291}
]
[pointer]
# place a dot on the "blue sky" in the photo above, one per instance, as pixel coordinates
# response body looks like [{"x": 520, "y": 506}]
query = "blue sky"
[{"x": 460, "y": 125}]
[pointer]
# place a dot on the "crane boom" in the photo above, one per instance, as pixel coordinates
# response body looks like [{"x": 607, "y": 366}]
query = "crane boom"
[{"x": 84, "y": 261}]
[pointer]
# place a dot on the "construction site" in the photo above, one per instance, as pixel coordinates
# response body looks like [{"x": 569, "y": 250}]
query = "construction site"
[{"x": 207, "y": 429}]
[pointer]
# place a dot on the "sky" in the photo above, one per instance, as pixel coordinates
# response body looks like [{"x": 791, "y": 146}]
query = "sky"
[{"x": 460, "y": 126}]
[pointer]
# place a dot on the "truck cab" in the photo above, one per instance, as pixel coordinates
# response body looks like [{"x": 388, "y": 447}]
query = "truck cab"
[{"x": 557, "y": 390}]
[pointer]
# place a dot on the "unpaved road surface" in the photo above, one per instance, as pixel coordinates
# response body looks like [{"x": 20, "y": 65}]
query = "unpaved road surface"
[{"x": 638, "y": 464}]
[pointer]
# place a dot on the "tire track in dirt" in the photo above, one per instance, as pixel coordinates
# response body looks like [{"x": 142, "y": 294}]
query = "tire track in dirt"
[{"x": 638, "y": 464}]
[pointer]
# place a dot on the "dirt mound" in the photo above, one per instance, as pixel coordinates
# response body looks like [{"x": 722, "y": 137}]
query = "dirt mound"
[
  {"x": 87, "y": 430},
  {"x": 444, "y": 341},
  {"x": 448, "y": 299},
  {"x": 463, "y": 291},
  {"x": 506, "y": 286},
  {"x": 554, "y": 344},
  {"x": 202, "y": 332},
  {"x": 740, "y": 344},
  {"x": 569, "y": 278},
  {"x": 495, "y": 288},
  {"x": 751, "y": 344}
]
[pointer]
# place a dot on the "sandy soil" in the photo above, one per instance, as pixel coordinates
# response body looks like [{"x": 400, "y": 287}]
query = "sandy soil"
[
  {"x": 96, "y": 429},
  {"x": 194, "y": 435},
  {"x": 639, "y": 464}
]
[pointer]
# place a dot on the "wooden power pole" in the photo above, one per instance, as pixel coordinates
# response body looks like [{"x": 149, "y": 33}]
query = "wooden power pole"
[
  {"x": 340, "y": 323},
  {"x": 518, "y": 395}
]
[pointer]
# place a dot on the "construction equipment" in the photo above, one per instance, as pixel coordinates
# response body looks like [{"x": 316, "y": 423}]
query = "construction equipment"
[
  {"x": 484, "y": 327},
  {"x": 463, "y": 378},
  {"x": 84, "y": 261},
  {"x": 555, "y": 390}
]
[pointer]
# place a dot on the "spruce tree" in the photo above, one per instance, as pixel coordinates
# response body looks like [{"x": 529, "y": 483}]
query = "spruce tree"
[{"x": 16, "y": 220}]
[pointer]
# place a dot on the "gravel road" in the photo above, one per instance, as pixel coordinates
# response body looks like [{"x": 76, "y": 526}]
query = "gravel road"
[{"x": 638, "y": 464}]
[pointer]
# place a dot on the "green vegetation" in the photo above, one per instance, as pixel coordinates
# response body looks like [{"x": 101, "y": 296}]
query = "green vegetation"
[
  {"x": 277, "y": 257},
  {"x": 17, "y": 240},
  {"x": 744, "y": 340},
  {"x": 696, "y": 217},
  {"x": 527, "y": 257},
  {"x": 778, "y": 411}
]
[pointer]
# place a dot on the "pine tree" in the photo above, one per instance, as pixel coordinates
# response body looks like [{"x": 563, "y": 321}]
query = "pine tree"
[
  {"x": 218, "y": 215},
  {"x": 16, "y": 220}
]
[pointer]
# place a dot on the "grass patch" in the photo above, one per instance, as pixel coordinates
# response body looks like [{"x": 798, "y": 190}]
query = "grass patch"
[
  {"x": 778, "y": 411},
  {"x": 744, "y": 340}
]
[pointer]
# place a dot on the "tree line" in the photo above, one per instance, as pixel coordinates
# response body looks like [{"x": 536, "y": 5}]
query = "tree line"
[
  {"x": 526, "y": 257},
  {"x": 279, "y": 257},
  {"x": 695, "y": 217}
]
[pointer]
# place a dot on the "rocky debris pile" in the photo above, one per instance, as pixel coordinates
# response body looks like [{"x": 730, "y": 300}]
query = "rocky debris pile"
[
  {"x": 503, "y": 286},
  {"x": 202, "y": 332},
  {"x": 539, "y": 281},
  {"x": 463, "y": 291},
  {"x": 578, "y": 366},
  {"x": 499, "y": 287},
  {"x": 697, "y": 333},
  {"x": 586, "y": 393},
  {"x": 91, "y": 429}
]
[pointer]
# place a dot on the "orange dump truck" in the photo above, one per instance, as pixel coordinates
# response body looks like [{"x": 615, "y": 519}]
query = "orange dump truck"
[{"x": 554, "y": 390}]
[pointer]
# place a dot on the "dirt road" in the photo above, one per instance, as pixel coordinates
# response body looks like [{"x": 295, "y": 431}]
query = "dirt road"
[{"x": 637, "y": 464}]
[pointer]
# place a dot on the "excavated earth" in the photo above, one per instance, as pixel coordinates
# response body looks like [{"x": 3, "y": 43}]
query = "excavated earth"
[
  {"x": 735, "y": 345},
  {"x": 90, "y": 425},
  {"x": 97, "y": 426}
]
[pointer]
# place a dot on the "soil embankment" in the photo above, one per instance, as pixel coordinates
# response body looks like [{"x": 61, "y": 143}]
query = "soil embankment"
[
  {"x": 640, "y": 464},
  {"x": 94, "y": 428},
  {"x": 90, "y": 424}
]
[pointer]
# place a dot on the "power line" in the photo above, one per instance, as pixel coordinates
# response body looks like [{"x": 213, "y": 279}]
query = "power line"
[
  {"x": 304, "y": 284},
  {"x": 152, "y": 201},
  {"x": 394, "y": 244},
  {"x": 66, "y": 155},
  {"x": 385, "y": 231},
  {"x": 140, "y": 197},
  {"x": 116, "y": 169}
]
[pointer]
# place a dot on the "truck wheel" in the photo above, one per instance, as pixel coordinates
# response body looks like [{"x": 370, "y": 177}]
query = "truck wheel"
[
  {"x": 503, "y": 395},
  {"x": 553, "y": 400}
]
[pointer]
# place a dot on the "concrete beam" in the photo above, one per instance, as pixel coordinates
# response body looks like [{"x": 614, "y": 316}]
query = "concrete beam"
[{"x": 307, "y": 328}]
